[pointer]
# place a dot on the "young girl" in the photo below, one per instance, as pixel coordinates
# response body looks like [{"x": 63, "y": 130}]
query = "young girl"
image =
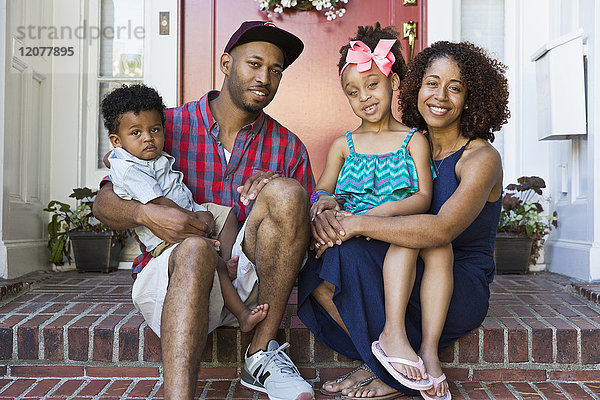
[{"x": 383, "y": 168}]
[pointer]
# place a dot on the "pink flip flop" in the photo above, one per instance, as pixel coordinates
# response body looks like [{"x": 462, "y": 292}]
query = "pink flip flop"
[
  {"x": 421, "y": 384},
  {"x": 436, "y": 382}
]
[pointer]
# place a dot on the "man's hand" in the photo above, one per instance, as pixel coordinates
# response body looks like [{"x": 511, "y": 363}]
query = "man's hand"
[
  {"x": 207, "y": 218},
  {"x": 326, "y": 230},
  {"x": 253, "y": 185},
  {"x": 324, "y": 227},
  {"x": 322, "y": 204},
  {"x": 339, "y": 221},
  {"x": 174, "y": 225}
]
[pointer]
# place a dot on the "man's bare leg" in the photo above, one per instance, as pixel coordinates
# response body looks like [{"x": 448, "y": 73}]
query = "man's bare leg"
[
  {"x": 276, "y": 239},
  {"x": 184, "y": 322}
]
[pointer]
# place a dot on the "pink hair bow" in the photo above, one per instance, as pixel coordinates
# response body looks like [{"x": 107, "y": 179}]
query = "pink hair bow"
[{"x": 361, "y": 55}]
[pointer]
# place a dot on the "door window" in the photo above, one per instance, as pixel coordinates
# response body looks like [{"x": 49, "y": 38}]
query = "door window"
[{"x": 121, "y": 55}]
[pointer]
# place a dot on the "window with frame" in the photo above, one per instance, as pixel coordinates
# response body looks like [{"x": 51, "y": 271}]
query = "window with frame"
[
  {"x": 482, "y": 23},
  {"x": 120, "y": 55}
]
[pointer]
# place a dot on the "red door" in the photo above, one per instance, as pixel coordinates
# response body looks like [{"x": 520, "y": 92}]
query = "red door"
[{"x": 310, "y": 101}]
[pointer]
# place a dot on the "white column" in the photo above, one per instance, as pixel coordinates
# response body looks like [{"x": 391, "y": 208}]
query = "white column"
[
  {"x": 4, "y": 208},
  {"x": 593, "y": 144}
]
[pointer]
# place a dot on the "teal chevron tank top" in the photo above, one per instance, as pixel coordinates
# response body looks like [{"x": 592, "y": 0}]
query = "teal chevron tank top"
[{"x": 368, "y": 180}]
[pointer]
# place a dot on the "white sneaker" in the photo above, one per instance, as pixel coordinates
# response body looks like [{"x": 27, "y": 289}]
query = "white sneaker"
[{"x": 272, "y": 372}]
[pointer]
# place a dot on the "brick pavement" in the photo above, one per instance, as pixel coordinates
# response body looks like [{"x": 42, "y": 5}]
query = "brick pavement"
[
  {"x": 79, "y": 332},
  {"x": 151, "y": 388}
]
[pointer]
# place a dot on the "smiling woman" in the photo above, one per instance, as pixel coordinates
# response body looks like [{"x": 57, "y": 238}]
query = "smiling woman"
[
  {"x": 441, "y": 99},
  {"x": 486, "y": 106}
]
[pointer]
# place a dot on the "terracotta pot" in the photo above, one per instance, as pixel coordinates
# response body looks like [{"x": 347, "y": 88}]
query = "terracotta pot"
[
  {"x": 511, "y": 254},
  {"x": 96, "y": 251}
]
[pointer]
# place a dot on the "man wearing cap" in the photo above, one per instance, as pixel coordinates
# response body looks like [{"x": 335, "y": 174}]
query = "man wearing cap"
[{"x": 230, "y": 153}]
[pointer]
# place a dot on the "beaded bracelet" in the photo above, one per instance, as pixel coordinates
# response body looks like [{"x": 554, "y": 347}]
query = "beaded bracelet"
[{"x": 315, "y": 196}]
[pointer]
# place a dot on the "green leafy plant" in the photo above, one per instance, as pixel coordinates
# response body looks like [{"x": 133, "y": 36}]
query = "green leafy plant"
[
  {"x": 66, "y": 219},
  {"x": 522, "y": 213}
]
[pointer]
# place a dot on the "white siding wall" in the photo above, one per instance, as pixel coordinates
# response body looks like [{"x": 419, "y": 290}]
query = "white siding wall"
[
  {"x": 593, "y": 161},
  {"x": 571, "y": 250}
]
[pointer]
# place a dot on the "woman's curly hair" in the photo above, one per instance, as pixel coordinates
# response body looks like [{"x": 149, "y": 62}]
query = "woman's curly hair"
[
  {"x": 370, "y": 35},
  {"x": 483, "y": 76},
  {"x": 133, "y": 98}
]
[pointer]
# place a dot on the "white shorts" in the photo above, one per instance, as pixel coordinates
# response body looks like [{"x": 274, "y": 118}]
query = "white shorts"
[{"x": 150, "y": 288}]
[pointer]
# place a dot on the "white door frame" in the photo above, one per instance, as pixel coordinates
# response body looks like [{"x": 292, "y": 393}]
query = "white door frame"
[
  {"x": 3, "y": 209},
  {"x": 159, "y": 70}
]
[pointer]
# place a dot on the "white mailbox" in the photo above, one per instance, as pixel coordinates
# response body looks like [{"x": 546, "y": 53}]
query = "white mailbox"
[{"x": 559, "y": 67}]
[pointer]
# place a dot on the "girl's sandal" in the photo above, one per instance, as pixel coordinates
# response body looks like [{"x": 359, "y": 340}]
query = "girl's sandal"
[
  {"x": 386, "y": 361},
  {"x": 436, "y": 382}
]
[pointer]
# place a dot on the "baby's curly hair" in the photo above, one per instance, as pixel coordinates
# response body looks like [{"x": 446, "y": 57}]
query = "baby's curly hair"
[
  {"x": 370, "y": 35},
  {"x": 483, "y": 76},
  {"x": 134, "y": 98}
]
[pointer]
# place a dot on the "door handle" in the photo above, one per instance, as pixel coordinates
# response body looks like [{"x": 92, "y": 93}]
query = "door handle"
[{"x": 409, "y": 30}]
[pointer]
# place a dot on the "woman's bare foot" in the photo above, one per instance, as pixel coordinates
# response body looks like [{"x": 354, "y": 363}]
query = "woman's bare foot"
[
  {"x": 374, "y": 388},
  {"x": 249, "y": 318},
  {"x": 395, "y": 346},
  {"x": 432, "y": 363},
  {"x": 349, "y": 382}
]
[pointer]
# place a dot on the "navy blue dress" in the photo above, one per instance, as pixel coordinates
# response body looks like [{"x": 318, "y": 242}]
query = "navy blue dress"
[{"x": 355, "y": 269}]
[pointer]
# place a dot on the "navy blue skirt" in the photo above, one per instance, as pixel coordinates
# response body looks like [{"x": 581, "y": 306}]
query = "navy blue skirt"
[{"x": 355, "y": 269}]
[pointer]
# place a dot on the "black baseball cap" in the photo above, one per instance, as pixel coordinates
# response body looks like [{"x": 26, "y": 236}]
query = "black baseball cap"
[{"x": 260, "y": 31}]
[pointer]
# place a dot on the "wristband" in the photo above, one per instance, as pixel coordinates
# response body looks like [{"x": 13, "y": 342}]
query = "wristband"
[{"x": 315, "y": 196}]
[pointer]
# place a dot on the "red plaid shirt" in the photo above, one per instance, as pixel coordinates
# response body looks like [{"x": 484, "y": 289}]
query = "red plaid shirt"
[{"x": 191, "y": 137}]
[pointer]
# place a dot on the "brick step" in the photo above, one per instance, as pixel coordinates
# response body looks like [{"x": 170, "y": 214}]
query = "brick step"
[
  {"x": 11, "y": 287},
  {"x": 151, "y": 388},
  {"x": 84, "y": 325},
  {"x": 590, "y": 291}
]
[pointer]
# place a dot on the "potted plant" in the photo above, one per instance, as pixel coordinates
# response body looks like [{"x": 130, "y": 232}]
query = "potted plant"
[
  {"x": 95, "y": 246},
  {"x": 522, "y": 227}
]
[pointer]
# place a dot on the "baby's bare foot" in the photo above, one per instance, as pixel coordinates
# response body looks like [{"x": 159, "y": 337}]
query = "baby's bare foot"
[{"x": 250, "y": 318}]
